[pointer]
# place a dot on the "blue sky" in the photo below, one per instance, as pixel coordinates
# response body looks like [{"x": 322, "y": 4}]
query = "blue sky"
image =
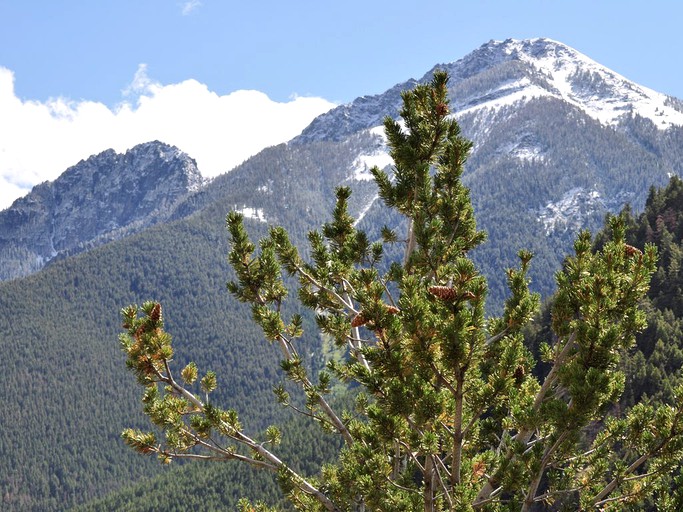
[
  {"x": 96, "y": 63},
  {"x": 337, "y": 50}
]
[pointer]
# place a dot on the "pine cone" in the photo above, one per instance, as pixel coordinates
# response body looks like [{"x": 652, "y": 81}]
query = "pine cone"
[
  {"x": 392, "y": 310},
  {"x": 359, "y": 320},
  {"x": 450, "y": 294},
  {"x": 631, "y": 251},
  {"x": 519, "y": 375},
  {"x": 444, "y": 292},
  {"x": 155, "y": 314},
  {"x": 478, "y": 469}
]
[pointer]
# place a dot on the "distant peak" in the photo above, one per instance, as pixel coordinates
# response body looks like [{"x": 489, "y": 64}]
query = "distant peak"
[
  {"x": 158, "y": 148},
  {"x": 500, "y": 74},
  {"x": 103, "y": 198},
  {"x": 534, "y": 48},
  {"x": 554, "y": 69}
]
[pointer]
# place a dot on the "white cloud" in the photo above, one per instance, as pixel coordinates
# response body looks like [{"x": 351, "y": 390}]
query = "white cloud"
[
  {"x": 141, "y": 83},
  {"x": 190, "y": 6},
  {"x": 40, "y": 140}
]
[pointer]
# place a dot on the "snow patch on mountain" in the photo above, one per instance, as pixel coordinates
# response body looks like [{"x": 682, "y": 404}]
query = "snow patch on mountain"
[
  {"x": 366, "y": 209},
  {"x": 528, "y": 153},
  {"x": 379, "y": 132},
  {"x": 570, "y": 212},
  {"x": 363, "y": 163},
  {"x": 506, "y": 94},
  {"x": 252, "y": 213},
  {"x": 575, "y": 78},
  {"x": 378, "y": 156},
  {"x": 525, "y": 147}
]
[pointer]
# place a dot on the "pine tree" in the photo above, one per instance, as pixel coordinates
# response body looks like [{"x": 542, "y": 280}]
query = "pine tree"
[{"x": 448, "y": 414}]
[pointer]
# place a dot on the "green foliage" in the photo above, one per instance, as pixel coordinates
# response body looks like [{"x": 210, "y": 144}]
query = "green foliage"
[
  {"x": 451, "y": 410},
  {"x": 652, "y": 366}
]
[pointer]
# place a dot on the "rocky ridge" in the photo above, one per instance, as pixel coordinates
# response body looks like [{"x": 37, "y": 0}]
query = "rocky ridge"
[{"x": 103, "y": 198}]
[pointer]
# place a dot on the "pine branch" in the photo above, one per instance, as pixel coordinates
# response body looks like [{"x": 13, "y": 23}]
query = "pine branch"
[
  {"x": 324, "y": 405},
  {"x": 332, "y": 292},
  {"x": 310, "y": 415},
  {"x": 439, "y": 480},
  {"x": 524, "y": 434},
  {"x": 457, "y": 434},
  {"x": 296, "y": 479},
  {"x": 411, "y": 242},
  {"x": 607, "y": 490},
  {"x": 355, "y": 335},
  {"x": 180, "y": 389},
  {"x": 536, "y": 481}
]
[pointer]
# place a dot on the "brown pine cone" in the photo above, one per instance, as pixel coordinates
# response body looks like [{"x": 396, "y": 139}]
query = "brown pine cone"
[
  {"x": 631, "y": 251},
  {"x": 443, "y": 292},
  {"x": 359, "y": 320},
  {"x": 442, "y": 109},
  {"x": 155, "y": 315},
  {"x": 519, "y": 375}
]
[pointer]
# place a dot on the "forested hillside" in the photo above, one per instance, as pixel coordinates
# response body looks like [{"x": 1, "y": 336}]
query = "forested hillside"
[
  {"x": 653, "y": 366},
  {"x": 658, "y": 359},
  {"x": 209, "y": 486},
  {"x": 66, "y": 391}
]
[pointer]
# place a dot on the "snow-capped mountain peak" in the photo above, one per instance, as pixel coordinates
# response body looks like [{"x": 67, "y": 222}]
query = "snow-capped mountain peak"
[
  {"x": 557, "y": 70},
  {"x": 501, "y": 74}
]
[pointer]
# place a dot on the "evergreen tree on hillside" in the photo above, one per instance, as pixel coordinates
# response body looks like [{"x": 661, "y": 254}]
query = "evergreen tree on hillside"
[
  {"x": 448, "y": 412},
  {"x": 654, "y": 365}
]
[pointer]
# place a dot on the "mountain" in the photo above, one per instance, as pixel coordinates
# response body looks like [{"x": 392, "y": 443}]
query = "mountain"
[
  {"x": 503, "y": 73},
  {"x": 100, "y": 199},
  {"x": 558, "y": 142}
]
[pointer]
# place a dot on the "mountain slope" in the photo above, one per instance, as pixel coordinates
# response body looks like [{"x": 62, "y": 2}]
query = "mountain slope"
[
  {"x": 99, "y": 199},
  {"x": 559, "y": 141},
  {"x": 67, "y": 394},
  {"x": 551, "y": 69},
  {"x": 503, "y": 73}
]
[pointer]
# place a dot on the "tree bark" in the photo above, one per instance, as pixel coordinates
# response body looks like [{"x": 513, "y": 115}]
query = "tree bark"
[{"x": 429, "y": 484}]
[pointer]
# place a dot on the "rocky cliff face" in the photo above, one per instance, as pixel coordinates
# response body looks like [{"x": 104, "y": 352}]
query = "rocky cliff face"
[
  {"x": 362, "y": 113},
  {"x": 97, "y": 200}
]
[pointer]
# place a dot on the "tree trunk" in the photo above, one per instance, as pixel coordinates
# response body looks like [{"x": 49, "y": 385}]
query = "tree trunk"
[{"x": 430, "y": 484}]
